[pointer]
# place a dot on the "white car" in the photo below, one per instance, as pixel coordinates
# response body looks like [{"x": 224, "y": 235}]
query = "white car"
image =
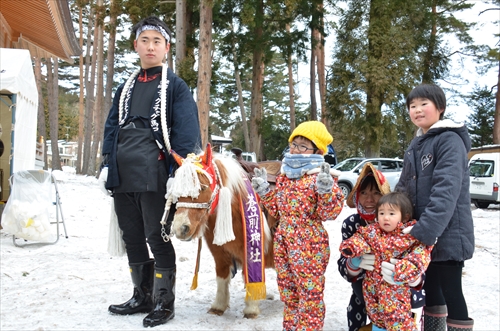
[
  {"x": 391, "y": 168},
  {"x": 484, "y": 171}
]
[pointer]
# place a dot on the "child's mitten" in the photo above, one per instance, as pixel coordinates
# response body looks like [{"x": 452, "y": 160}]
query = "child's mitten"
[
  {"x": 259, "y": 182},
  {"x": 324, "y": 181}
]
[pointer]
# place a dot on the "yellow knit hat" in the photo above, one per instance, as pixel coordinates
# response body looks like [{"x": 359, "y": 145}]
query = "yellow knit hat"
[{"x": 316, "y": 132}]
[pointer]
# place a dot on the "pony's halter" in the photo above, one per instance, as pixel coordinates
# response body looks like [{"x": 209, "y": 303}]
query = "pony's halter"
[{"x": 192, "y": 165}]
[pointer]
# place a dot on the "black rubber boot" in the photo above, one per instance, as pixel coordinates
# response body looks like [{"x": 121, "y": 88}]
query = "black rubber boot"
[
  {"x": 435, "y": 318},
  {"x": 164, "y": 298},
  {"x": 457, "y": 325},
  {"x": 141, "y": 301}
]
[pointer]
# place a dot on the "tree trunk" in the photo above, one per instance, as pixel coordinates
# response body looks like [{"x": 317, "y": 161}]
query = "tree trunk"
[
  {"x": 52, "y": 95},
  {"x": 89, "y": 95},
  {"x": 204, "y": 68},
  {"x": 99, "y": 102},
  {"x": 256, "y": 112},
  {"x": 429, "y": 64},
  {"x": 180, "y": 32},
  {"x": 170, "y": 62},
  {"x": 110, "y": 60},
  {"x": 81, "y": 109},
  {"x": 291, "y": 90},
  {"x": 496, "y": 124},
  {"x": 42, "y": 131},
  {"x": 110, "y": 65},
  {"x": 320, "y": 56},
  {"x": 243, "y": 113},
  {"x": 312, "y": 74},
  {"x": 372, "y": 125}
]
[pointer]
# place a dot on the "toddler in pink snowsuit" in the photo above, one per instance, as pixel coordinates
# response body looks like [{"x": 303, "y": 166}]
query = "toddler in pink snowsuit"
[{"x": 400, "y": 261}]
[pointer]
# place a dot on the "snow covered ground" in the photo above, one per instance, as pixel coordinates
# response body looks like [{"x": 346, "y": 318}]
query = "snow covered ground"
[{"x": 69, "y": 285}]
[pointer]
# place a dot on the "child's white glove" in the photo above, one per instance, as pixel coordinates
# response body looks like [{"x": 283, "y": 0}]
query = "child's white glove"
[
  {"x": 355, "y": 264},
  {"x": 367, "y": 262},
  {"x": 324, "y": 181},
  {"x": 103, "y": 178},
  {"x": 388, "y": 272},
  {"x": 259, "y": 182}
]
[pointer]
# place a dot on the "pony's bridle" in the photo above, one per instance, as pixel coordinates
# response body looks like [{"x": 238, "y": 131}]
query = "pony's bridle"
[
  {"x": 189, "y": 170},
  {"x": 212, "y": 172},
  {"x": 215, "y": 185}
]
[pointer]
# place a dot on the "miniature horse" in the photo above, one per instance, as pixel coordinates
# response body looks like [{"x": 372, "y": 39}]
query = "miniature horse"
[{"x": 208, "y": 193}]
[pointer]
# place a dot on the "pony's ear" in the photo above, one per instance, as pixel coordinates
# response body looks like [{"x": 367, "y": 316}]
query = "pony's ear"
[
  {"x": 207, "y": 156},
  {"x": 177, "y": 157}
]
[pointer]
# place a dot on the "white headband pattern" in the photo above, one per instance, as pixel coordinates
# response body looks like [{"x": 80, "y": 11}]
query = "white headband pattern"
[{"x": 152, "y": 27}]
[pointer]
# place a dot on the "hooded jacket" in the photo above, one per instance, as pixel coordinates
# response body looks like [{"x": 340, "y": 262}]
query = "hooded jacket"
[{"x": 435, "y": 176}]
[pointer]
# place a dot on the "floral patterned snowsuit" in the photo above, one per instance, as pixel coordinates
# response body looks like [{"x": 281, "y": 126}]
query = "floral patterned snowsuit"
[
  {"x": 389, "y": 306},
  {"x": 301, "y": 247}
]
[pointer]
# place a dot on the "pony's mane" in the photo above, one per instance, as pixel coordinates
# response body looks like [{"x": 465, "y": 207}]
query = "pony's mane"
[
  {"x": 231, "y": 172},
  {"x": 187, "y": 183}
]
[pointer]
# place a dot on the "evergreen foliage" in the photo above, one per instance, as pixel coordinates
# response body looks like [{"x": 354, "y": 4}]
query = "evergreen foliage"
[
  {"x": 383, "y": 48},
  {"x": 480, "y": 124}
]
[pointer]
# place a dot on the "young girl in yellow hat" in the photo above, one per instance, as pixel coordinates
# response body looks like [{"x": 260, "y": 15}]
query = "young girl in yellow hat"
[{"x": 306, "y": 194}]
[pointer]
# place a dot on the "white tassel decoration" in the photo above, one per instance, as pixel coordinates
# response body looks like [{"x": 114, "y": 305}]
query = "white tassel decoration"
[
  {"x": 116, "y": 245},
  {"x": 187, "y": 183},
  {"x": 223, "y": 231}
]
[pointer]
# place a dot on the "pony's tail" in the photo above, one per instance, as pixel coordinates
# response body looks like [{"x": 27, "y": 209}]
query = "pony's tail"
[{"x": 223, "y": 231}]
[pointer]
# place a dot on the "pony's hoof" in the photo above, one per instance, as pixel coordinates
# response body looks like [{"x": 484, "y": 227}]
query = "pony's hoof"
[
  {"x": 250, "y": 316},
  {"x": 215, "y": 312}
]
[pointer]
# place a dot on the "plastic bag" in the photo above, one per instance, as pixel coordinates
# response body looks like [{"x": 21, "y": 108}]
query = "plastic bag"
[{"x": 26, "y": 214}]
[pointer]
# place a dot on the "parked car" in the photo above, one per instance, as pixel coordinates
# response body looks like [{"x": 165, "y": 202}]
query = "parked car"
[
  {"x": 484, "y": 169},
  {"x": 350, "y": 168}
]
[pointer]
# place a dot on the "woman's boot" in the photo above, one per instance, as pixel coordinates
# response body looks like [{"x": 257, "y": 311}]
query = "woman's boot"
[
  {"x": 458, "y": 325},
  {"x": 435, "y": 318},
  {"x": 164, "y": 298},
  {"x": 141, "y": 301}
]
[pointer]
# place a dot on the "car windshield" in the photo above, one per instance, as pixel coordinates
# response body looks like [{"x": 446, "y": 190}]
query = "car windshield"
[
  {"x": 347, "y": 165},
  {"x": 481, "y": 168}
]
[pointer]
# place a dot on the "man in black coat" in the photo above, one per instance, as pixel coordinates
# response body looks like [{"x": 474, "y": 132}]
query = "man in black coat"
[{"x": 152, "y": 113}]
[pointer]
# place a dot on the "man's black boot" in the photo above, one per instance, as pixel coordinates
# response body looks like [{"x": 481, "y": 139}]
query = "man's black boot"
[
  {"x": 164, "y": 298},
  {"x": 141, "y": 301}
]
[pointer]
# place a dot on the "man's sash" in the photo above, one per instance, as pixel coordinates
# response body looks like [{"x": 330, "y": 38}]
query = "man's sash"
[{"x": 253, "y": 234}]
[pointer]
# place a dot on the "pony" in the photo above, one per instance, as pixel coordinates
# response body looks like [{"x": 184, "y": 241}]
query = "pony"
[{"x": 210, "y": 192}]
